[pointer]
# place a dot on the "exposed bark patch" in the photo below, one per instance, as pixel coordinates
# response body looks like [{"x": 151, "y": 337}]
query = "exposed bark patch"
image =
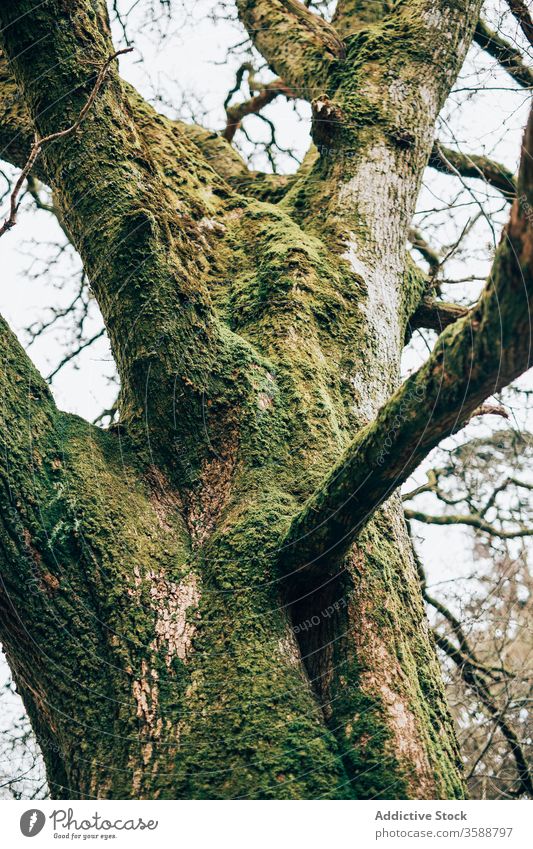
[
  {"x": 406, "y": 742},
  {"x": 172, "y": 603},
  {"x": 30, "y": 548}
]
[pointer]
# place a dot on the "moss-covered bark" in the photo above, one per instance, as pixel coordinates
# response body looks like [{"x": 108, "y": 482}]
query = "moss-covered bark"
[{"x": 176, "y": 642}]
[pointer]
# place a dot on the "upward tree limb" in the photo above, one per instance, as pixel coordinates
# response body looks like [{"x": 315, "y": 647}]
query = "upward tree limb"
[
  {"x": 472, "y": 359},
  {"x": 299, "y": 45},
  {"x": 41, "y": 143},
  {"x": 508, "y": 56},
  {"x": 132, "y": 222},
  {"x": 17, "y": 134}
]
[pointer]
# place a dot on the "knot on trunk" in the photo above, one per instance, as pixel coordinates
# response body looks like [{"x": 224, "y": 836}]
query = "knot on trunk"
[{"x": 328, "y": 120}]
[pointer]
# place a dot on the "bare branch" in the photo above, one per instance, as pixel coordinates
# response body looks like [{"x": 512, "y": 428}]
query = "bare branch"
[
  {"x": 418, "y": 242},
  {"x": 74, "y": 353},
  {"x": 471, "y": 520},
  {"x": 490, "y": 410},
  {"x": 470, "y": 165},
  {"x": 436, "y": 315},
  {"x": 34, "y": 188},
  {"x": 267, "y": 93},
  {"x": 508, "y": 56}
]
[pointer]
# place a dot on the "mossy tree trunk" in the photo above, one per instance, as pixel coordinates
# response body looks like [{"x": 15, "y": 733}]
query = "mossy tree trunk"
[{"x": 193, "y": 604}]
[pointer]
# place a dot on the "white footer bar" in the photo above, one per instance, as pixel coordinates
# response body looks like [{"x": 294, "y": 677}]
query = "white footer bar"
[{"x": 268, "y": 825}]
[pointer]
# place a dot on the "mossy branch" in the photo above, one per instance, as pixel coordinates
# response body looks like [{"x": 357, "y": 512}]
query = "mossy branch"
[
  {"x": 299, "y": 45},
  {"x": 473, "y": 358},
  {"x": 40, "y": 143},
  {"x": 135, "y": 226}
]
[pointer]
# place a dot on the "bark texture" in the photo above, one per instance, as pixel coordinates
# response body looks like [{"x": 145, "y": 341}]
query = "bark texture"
[{"x": 193, "y": 604}]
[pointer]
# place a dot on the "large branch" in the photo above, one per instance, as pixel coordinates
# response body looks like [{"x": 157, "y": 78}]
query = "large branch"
[
  {"x": 473, "y": 358},
  {"x": 78, "y": 526},
  {"x": 299, "y": 45},
  {"x": 508, "y": 56},
  {"x": 29, "y": 487},
  {"x": 41, "y": 143},
  {"x": 471, "y": 165},
  {"x": 17, "y": 135},
  {"x": 136, "y": 227}
]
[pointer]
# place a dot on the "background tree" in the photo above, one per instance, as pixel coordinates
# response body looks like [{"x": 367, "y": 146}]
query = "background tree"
[{"x": 226, "y": 573}]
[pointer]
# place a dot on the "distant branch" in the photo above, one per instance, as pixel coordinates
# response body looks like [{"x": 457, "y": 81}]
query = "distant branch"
[
  {"x": 523, "y": 16},
  {"x": 418, "y": 242},
  {"x": 267, "y": 92},
  {"x": 471, "y": 165},
  {"x": 73, "y": 354},
  {"x": 34, "y": 188},
  {"x": 508, "y": 56},
  {"x": 471, "y": 520}
]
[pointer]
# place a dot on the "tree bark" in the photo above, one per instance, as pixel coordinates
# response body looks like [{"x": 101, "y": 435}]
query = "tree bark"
[{"x": 162, "y": 643}]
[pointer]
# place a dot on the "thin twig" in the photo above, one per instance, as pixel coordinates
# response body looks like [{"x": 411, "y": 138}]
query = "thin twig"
[{"x": 38, "y": 144}]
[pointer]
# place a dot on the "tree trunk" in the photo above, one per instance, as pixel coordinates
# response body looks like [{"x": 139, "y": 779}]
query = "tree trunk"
[{"x": 160, "y": 648}]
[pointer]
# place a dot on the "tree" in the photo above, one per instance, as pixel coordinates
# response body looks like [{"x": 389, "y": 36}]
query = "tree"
[
  {"x": 484, "y": 634},
  {"x": 217, "y": 597}
]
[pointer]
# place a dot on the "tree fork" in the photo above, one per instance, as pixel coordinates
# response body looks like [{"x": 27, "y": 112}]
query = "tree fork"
[{"x": 284, "y": 323}]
